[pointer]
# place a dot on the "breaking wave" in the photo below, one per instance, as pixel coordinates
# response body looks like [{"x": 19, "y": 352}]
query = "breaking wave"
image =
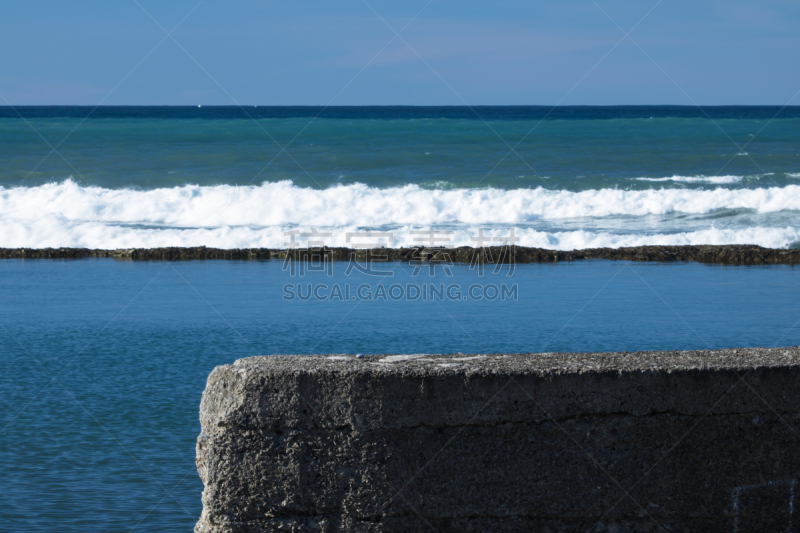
[
  {"x": 717, "y": 180},
  {"x": 55, "y": 232},
  {"x": 224, "y": 216}
]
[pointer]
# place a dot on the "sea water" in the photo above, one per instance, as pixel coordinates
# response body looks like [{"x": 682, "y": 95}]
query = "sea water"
[
  {"x": 104, "y": 361},
  {"x": 243, "y": 177}
]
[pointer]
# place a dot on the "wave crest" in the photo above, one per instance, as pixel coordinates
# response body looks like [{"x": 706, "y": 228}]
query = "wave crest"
[
  {"x": 717, "y": 180},
  {"x": 282, "y": 203},
  {"x": 224, "y": 216}
]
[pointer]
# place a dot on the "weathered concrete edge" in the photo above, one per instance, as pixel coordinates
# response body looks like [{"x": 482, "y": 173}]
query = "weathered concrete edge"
[
  {"x": 530, "y": 363},
  {"x": 712, "y": 254},
  {"x": 260, "y": 399},
  {"x": 417, "y": 389}
]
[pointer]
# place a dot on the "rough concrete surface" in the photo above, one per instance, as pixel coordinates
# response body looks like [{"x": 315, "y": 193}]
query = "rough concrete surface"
[{"x": 614, "y": 442}]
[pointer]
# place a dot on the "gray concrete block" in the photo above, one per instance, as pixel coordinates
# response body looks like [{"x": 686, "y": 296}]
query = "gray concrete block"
[{"x": 646, "y": 441}]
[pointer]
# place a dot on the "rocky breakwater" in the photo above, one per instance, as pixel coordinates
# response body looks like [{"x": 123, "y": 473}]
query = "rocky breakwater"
[
  {"x": 732, "y": 254},
  {"x": 648, "y": 441}
]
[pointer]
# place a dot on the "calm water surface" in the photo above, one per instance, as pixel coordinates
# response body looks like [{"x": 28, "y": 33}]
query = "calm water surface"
[{"x": 104, "y": 362}]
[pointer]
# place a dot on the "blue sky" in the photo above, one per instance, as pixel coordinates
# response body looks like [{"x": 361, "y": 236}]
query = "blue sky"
[{"x": 454, "y": 52}]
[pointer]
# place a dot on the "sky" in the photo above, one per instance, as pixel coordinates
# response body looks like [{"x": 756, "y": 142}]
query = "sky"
[{"x": 448, "y": 52}]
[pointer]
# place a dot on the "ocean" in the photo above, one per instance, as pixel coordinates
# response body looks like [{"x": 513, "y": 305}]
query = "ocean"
[
  {"x": 104, "y": 360},
  {"x": 227, "y": 177}
]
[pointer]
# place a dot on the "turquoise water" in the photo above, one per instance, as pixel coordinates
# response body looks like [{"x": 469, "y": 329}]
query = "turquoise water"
[
  {"x": 109, "y": 444},
  {"x": 434, "y": 153},
  {"x": 579, "y": 177}
]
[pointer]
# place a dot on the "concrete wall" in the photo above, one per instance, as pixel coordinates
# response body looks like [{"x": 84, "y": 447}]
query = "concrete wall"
[{"x": 684, "y": 441}]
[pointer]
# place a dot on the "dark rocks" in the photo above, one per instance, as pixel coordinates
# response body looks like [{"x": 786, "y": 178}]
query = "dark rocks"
[
  {"x": 649, "y": 441},
  {"x": 726, "y": 254}
]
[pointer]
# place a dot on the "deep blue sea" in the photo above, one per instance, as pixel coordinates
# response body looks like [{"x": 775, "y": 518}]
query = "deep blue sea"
[{"x": 103, "y": 362}]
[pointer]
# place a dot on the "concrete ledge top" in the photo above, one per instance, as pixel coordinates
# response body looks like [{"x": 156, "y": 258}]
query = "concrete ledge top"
[
  {"x": 502, "y": 442},
  {"x": 524, "y": 363}
]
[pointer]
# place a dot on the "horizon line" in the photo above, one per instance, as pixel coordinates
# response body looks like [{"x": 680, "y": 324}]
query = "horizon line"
[{"x": 235, "y": 106}]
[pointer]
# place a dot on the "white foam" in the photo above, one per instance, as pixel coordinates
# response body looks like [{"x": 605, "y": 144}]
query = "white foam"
[
  {"x": 718, "y": 180},
  {"x": 281, "y": 203},
  {"x": 54, "y": 232},
  {"x": 65, "y": 214},
  {"x": 573, "y": 240}
]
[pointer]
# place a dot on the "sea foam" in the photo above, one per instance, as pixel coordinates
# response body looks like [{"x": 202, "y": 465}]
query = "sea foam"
[
  {"x": 54, "y": 232},
  {"x": 66, "y": 214},
  {"x": 717, "y": 180},
  {"x": 283, "y": 203}
]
